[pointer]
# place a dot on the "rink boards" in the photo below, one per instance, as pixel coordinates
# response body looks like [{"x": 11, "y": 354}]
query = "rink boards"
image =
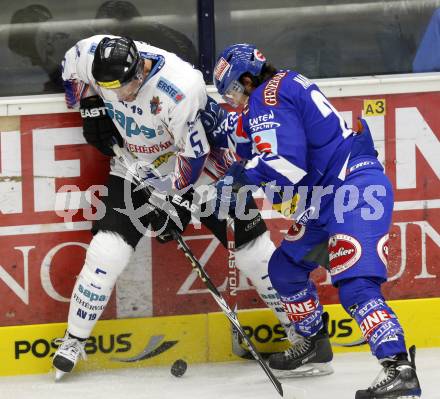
[{"x": 198, "y": 338}]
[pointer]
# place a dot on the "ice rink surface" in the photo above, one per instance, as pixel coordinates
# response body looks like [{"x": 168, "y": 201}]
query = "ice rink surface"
[{"x": 234, "y": 380}]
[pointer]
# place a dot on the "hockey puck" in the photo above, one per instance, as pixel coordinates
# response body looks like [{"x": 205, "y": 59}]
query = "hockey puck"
[{"x": 178, "y": 368}]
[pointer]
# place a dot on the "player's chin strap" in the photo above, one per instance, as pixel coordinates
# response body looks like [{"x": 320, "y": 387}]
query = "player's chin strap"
[{"x": 285, "y": 391}]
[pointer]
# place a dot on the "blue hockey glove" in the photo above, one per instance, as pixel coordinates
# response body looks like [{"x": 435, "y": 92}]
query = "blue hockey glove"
[
  {"x": 363, "y": 143},
  {"x": 212, "y": 118},
  {"x": 229, "y": 195}
]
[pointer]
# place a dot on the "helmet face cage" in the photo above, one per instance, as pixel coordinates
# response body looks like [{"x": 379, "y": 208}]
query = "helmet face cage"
[
  {"x": 115, "y": 63},
  {"x": 128, "y": 90},
  {"x": 234, "y": 94},
  {"x": 234, "y": 61}
]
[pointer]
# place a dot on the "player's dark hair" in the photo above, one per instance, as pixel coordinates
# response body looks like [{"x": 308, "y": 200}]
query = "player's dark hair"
[{"x": 267, "y": 72}]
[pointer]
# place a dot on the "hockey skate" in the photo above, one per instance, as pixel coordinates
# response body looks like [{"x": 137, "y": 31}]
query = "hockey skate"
[
  {"x": 397, "y": 379},
  {"x": 70, "y": 350},
  {"x": 308, "y": 356}
]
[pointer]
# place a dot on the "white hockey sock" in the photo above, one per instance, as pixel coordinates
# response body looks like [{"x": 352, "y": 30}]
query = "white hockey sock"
[
  {"x": 107, "y": 256},
  {"x": 252, "y": 259}
]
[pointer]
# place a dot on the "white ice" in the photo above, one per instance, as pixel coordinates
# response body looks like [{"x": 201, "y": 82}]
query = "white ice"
[{"x": 234, "y": 380}]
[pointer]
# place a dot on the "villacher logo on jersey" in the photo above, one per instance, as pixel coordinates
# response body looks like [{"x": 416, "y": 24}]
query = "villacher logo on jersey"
[{"x": 344, "y": 252}]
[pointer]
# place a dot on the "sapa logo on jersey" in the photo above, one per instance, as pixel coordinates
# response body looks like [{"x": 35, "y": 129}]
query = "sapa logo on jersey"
[
  {"x": 344, "y": 251},
  {"x": 298, "y": 311},
  {"x": 266, "y": 141},
  {"x": 128, "y": 123},
  {"x": 372, "y": 321},
  {"x": 91, "y": 295}
]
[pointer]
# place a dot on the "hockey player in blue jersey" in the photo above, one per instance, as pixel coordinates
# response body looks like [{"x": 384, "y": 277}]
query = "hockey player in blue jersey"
[{"x": 312, "y": 166}]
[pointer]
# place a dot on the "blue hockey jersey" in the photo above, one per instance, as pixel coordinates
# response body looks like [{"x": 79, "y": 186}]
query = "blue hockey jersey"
[{"x": 292, "y": 136}]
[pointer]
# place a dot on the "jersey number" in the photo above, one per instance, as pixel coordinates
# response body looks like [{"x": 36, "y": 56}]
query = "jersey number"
[
  {"x": 326, "y": 109},
  {"x": 196, "y": 144}
]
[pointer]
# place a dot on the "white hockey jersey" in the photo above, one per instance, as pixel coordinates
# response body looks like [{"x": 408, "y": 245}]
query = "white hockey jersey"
[{"x": 162, "y": 127}]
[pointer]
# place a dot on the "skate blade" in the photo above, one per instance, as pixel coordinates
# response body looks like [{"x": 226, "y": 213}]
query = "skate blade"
[
  {"x": 59, "y": 375},
  {"x": 308, "y": 370}
]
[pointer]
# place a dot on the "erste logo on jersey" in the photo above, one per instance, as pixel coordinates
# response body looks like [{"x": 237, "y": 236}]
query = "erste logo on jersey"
[
  {"x": 170, "y": 90},
  {"x": 266, "y": 141},
  {"x": 344, "y": 251},
  {"x": 221, "y": 68},
  {"x": 270, "y": 92}
]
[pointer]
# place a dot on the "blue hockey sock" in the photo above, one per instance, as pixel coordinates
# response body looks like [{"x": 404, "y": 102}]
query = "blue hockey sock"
[
  {"x": 362, "y": 298},
  {"x": 304, "y": 310}
]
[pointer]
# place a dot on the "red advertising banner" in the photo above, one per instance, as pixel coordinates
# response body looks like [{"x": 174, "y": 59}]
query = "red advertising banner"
[{"x": 40, "y": 254}]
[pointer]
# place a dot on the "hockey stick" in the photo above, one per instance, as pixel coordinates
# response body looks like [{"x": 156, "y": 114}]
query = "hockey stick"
[
  {"x": 233, "y": 274},
  {"x": 283, "y": 390},
  {"x": 238, "y": 347},
  {"x": 358, "y": 342}
]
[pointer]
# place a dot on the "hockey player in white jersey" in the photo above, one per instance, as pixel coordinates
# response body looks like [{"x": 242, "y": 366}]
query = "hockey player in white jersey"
[{"x": 151, "y": 102}]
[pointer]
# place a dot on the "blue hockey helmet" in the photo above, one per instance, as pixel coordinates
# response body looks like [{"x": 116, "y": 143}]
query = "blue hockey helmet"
[{"x": 233, "y": 62}]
